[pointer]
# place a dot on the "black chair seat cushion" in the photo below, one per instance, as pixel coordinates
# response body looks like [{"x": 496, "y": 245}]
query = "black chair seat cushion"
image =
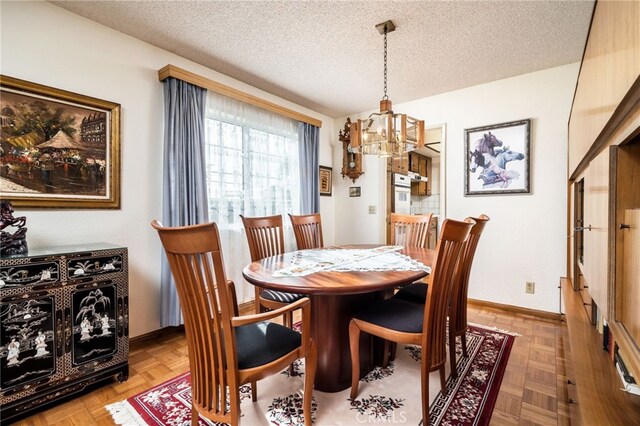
[
  {"x": 263, "y": 342},
  {"x": 414, "y": 293},
  {"x": 280, "y": 296},
  {"x": 394, "y": 314}
]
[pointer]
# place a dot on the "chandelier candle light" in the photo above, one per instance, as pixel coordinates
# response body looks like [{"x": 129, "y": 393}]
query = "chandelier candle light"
[{"x": 387, "y": 134}]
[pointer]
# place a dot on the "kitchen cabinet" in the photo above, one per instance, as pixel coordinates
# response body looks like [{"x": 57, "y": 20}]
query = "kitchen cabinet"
[
  {"x": 414, "y": 162},
  {"x": 63, "y": 324},
  {"x": 422, "y": 187},
  {"x": 399, "y": 164}
]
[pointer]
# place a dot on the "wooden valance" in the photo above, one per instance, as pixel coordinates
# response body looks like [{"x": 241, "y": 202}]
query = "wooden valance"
[{"x": 206, "y": 83}]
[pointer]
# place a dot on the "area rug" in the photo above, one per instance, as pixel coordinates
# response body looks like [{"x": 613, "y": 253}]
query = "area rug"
[{"x": 386, "y": 396}]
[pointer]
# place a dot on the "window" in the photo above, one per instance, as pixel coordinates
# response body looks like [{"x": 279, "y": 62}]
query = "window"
[{"x": 253, "y": 170}]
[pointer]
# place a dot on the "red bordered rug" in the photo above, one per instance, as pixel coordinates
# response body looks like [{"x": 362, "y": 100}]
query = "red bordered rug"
[{"x": 390, "y": 395}]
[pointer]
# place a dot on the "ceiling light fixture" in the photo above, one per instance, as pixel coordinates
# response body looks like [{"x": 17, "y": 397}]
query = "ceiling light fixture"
[{"x": 387, "y": 134}]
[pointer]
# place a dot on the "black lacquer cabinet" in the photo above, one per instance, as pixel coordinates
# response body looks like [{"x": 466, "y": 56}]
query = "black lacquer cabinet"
[{"x": 63, "y": 324}]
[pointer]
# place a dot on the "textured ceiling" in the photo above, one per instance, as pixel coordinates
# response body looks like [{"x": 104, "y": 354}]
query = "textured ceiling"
[{"x": 328, "y": 56}]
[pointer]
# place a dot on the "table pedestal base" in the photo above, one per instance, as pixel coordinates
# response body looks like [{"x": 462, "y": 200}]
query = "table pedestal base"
[{"x": 330, "y": 329}]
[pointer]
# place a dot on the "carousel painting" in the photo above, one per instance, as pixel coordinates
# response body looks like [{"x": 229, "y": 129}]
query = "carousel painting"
[{"x": 57, "y": 148}]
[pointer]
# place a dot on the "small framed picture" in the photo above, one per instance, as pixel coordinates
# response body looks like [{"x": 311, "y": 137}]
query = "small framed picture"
[
  {"x": 325, "y": 180},
  {"x": 354, "y": 191},
  {"x": 497, "y": 159}
]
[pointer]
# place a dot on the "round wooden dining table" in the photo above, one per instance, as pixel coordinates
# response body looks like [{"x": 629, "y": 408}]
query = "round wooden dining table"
[{"x": 335, "y": 298}]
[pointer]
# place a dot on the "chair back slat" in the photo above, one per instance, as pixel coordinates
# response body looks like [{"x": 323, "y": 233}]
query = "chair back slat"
[
  {"x": 307, "y": 230},
  {"x": 195, "y": 259},
  {"x": 265, "y": 236},
  {"x": 458, "y": 305},
  {"x": 410, "y": 230},
  {"x": 448, "y": 252}
]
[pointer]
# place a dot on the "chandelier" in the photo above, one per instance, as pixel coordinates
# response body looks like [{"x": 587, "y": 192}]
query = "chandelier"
[{"x": 387, "y": 134}]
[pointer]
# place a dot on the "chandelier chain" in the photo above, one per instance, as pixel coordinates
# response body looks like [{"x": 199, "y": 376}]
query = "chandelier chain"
[{"x": 385, "y": 97}]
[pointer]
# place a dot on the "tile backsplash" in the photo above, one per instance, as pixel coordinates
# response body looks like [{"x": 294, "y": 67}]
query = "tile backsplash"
[{"x": 420, "y": 205}]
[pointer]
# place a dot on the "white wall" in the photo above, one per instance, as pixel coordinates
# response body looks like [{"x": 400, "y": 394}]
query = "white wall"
[
  {"x": 526, "y": 237},
  {"x": 45, "y": 44}
]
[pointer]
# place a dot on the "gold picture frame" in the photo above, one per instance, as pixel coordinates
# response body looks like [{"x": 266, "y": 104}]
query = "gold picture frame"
[
  {"x": 325, "y": 182},
  {"x": 58, "y": 149}
]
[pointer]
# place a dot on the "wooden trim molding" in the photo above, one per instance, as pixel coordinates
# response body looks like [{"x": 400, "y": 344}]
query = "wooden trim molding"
[
  {"x": 516, "y": 309},
  {"x": 628, "y": 105},
  {"x": 206, "y": 83}
]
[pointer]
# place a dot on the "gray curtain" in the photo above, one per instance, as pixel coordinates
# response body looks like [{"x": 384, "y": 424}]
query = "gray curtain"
[
  {"x": 184, "y": 180},
  {"x": 309, "y": 152}
]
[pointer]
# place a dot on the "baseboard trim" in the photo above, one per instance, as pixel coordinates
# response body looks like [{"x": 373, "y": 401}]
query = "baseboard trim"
[
  {"x": 246, "y": 308},
  {"x": 516, "y": 309},
  {"x": 156, "y": 334}
]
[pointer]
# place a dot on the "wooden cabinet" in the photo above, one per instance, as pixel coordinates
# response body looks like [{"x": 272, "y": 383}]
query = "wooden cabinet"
[
  {"x": 624, "y": 256},
  {"x": 414, "y": 162},
  {"x": 594, "y": 383},
  {"x": 399, "y": 164},
  {"x": 596, "y": 228},
  {"x": 421, "y": 165},
  {"x": 63, "y": 324}
]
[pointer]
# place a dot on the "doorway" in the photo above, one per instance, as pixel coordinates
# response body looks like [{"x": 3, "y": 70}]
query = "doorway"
[{"x": 434, "y": 200}]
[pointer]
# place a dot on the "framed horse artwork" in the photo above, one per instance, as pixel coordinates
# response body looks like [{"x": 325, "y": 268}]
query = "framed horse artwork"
[{"x": 497, "y": 159}]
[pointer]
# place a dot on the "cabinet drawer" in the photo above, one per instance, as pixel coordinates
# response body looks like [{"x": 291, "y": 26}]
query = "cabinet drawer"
[
  {"x": 15, "y": 274},
  {"x": 91, "y": 265}
]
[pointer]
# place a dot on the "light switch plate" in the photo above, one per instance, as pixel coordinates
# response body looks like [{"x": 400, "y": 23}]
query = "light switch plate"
[{"x": 372, "y": 209}]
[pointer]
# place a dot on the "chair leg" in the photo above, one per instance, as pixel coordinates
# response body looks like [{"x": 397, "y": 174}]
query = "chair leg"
[
  {"x": 254, "y": 391},
  {"x": 354, "y": 345},
  {"x": 443, "y": 382},
  {"x": 288, "y": 322},
  {"x": 194, "y": 416},
  {"x": 452, "y": 354},
  {"x": 424, "y": 372},
  {"x": 463, "y": 339},
  {"x": 311, "y": 360},
  {"x": 392, "y": 351}
]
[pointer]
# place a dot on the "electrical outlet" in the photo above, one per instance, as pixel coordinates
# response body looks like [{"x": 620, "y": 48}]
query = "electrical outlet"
[
  {"x": 530, "y": 287},
  {"x": 372, "y": 209}
]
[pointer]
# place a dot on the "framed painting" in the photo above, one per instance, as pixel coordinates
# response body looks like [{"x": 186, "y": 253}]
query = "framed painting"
[
  {"x": 58, "y": 149},
  {"x": 354, "y": 191},
  {"x": 497, "y": 159},
  {"x": 325, "y": 180}
]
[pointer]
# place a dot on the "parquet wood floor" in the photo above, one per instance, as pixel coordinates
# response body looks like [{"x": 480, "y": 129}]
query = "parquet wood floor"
[{"x": 533, "y": 390}]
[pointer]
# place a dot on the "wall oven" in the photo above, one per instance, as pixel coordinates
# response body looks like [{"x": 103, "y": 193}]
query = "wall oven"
[{"x": 401, "y": 200}]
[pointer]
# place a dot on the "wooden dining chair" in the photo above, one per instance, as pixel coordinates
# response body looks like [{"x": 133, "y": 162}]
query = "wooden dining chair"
[
  {"x": 308, "y": 231},
  {"x": 265, "y": 236},
  {"x": 458, "y": 307},
  {"x": 410, "y": 230},
  {"x": 227, "y": 350},
  {"x": 425, "y": 325},
  {"x": 417, "y": 293}
]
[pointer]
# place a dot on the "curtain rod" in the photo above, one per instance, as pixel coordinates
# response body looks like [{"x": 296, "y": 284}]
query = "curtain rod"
[{"x": 184, "y": 75}]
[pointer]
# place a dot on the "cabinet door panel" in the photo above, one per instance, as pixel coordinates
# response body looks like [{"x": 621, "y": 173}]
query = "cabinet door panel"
[
  {"x": 596, "y": 216},
  {"x": 28, "y": 354},
  {"x": 93, "y": 316}
]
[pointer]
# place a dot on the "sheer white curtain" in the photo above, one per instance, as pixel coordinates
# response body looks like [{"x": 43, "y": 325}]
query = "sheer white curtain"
[{"x": 253, "y": 170}]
